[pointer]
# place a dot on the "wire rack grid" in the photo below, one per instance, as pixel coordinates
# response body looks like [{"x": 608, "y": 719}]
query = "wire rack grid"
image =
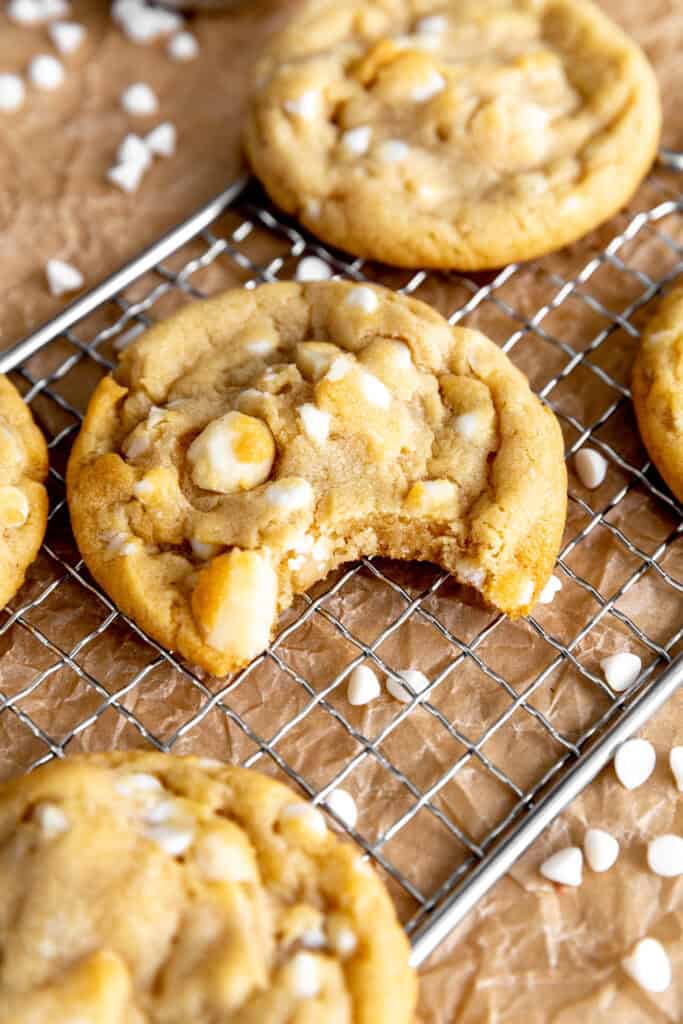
[{"x": 57, "y": 699}]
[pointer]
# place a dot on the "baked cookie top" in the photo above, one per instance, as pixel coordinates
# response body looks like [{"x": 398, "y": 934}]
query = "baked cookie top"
[
  {"x": 23, "y": 499},
  {"x": 255, "y": 441},
  {"x": 657, "y": 388},
  {"x": 154, "y": 889},
  {"x": 462, "y": 134}
]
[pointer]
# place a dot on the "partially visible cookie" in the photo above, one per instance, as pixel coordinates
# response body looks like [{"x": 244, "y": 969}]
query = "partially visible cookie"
[
  {"x": 23, "y": 498},
  {"x": 657, "y": 387},
  {"x": 151, "y": 889},
  {"x": 452, "y": 133},
  {"x": 254, "y": 442}
]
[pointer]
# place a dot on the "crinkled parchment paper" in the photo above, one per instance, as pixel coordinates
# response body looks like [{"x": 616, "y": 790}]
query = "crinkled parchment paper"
[{"x": 530, "y": 952}]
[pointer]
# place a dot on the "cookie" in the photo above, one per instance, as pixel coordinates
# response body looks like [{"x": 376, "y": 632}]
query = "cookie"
[
  {"x": 150, "y": 888},
  {"x": 254, "y": 442},
  {"x": 657, "y": 387},
  {"x": 23, "y": 498},
  {"x": 464, "y": 134}
]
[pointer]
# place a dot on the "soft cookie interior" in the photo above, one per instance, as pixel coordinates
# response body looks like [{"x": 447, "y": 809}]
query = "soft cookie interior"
[{"x": 256, "y": 441}]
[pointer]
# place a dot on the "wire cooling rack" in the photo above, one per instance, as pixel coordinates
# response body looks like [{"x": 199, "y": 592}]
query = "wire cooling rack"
[{"x": 493, "y": 683}]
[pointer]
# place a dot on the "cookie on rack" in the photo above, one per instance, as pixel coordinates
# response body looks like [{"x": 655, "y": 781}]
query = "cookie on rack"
[
  {"x": 657, "y": 387},
  {"x": 464, "y": 134},
  {"x": 23, "y": 498},
  {"x": 147, "y": 888},
  {"x": 255, "y": 441}
]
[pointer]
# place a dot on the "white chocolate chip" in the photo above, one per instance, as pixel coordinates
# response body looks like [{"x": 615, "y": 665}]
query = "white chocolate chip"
[
  {"x": 591, "y": 467},
  {"x": 67, "y": 36},
  {"x": 312, "y": 208},
  {"x": 363, "y": 686},
  {"x": 290, "y": 494},
  {"x": 120, "y": 545},
  {"x": 676, "y": 766},
  {"x": 221, "y": 861},
  {"x": 303, "y": 976},
  {"x": 634, "y": 763},
  {"x": 311, "y": 268},
  {"x": 649, "y": 966},
  {"x": 343, "y": 805},
  {"x": 162, "y": 140},
  {"x": 306, "y": 816},
  {"x": 173, "y": 839},
  {"x": 552, "y": 587},
  {"x": 305, "y": 106},
  {"x": 139, "y": 99},
  {"x": 24, "y": 12},
  {"x": 14, "y": 507},
  {"x": 393, "y": 150},
  {"x": 51, "y": 820},
  {"x": 316, "y": 422},
  {"x": 432, "y": 24},
  {"x": 133, "y": 150},
  {"x": 665, "y": 856},
  {"x": 203, "y": 550},
  {"x": 62, "y": 277},
  {"x": 621, "y": 670},
  {"x": 564, "y": 867},
  {"x": 144, "y": 24},
  {"x": 357, "y": 140},
  {"x": 339, "y": 368},
  {"x": 432, "y": 497},
  {"x": 46, "y": 72},
  {"x": 232, "y": 453},
  {"x": 341, "y": 937},
  {"x": 135, "y": 784},
  {"x": 127, "y": 177},
  {"x": 467, "y": 425},
  {"x": 374, "y": 390},
  {"x": 433, "y": 84},
  {"x": 525, "y": 592},
  {"x": 471, "y": 574},
  {"x": 362, "y": 297},
  {"x": 414, "y": 678},
  {"x": 313, "y": 938},
  {"x": 183, "y": 46},
  {"x": 12, "y": 92},
  {"x": 261, "y": 346},
  {"x": 600, "y": 849}
]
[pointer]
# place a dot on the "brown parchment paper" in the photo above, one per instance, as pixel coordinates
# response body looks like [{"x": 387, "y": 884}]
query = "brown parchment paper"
[{"x": 530, "y": 952}]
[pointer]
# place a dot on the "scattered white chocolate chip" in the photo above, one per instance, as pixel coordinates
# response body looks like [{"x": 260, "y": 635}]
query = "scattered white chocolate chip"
[
  {"x": 431, "y": 497},
  {"x": 432, "y": 24},
  {"x": 414, "y": 678},
  {"x": 204, "y": 550},
  {"x": 162, "y": 140},
  {"x": 261, "y": 346},
  {"x": 466, "y": 425},
  {"x": 173, "y": 839},
  {"x": 649, "y": 966},
  {"x": 357, "y": 140},
  {"x": 46, "y": 72},
  {"x": 14, "y": 507},
  {"x": 12, "y": 92},
  {"x": 433, "y": 84},
  {"x": 311, "y": 268},
  {"x": 221, "y": 861},
  {"x": 400, "y": 354},
  {"x": 133, "y": 150},
  {"x": 305, "y": 815},
  {"x": 142, "y": 23},
  {"x": 304, "y": 106},
  {"x": 127, "y": 177},
  {"x": 137, "y": 784},
  {"x": 591, "y": 467},
  {"x": 290, "y": 493},
  {"x": 363, "y": 686},
  {"x": 313, "y": 938},
  {"x": 676, "y": 766},
  {"x": 634, "y": 763},
  {"x": 374, "y": 390},
  {"x": 552, "y": 587},
  {"x": 471, "y": 574},
  {"x": 343, "y": 805},
  {"x": 339, "y": 368},
  {"x": 393, "y": 150},
  {"x": 525, "y": 592},
  {"x": 362, "y": 297},
  {"x": 621, "y": 670},
  {"x": 316, "y": 422},
  {"x": 54, "y": 8},
  {"x": 564, "y": 867},
  {"x": 341, "y": 936},
  {"x": 183, "y": 46},
  {"x": 665, "y": 856},
  {"x": 303, "y": 975},
  {"x": 120, "y": 545},
  {"x": 67, "y": 36},
  {"x": 600, "y": 849},
  {"x": 51, "y": 820},
  {"x": 232, "y": 453},
  {"x": 34, "y": 12},
  {"x": 139, "y": 99},
  {"x": 62, "y": 277}
]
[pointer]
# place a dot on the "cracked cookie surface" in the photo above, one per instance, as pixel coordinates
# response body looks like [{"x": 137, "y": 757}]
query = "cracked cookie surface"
[
  {"x": 657, "y": 387},
  {"x": 152, "y": 889},
  {"x": 23, "y": 498},
  {"x": 468, "y": 134},
  {"x": 255, "y": 441}
]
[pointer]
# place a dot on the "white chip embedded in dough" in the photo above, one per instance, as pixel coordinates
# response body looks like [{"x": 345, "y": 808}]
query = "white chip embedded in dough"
[
  {"x": 67, "y": 36},
  {"x": 12, "y": 92},
  {"x": 312, "y": 268},
  {"x": 14, "y": 507},
  {"x": 290, "y": 494},
  {"x": 183, "y": 46},
  {"x": 432, "y": 24},
  {"x": 302, "y": 975},
  {"x": 357, "y": 140},
  {"x": 374, "y": 390},
  {"x": 133, "y": 150},
  {"x": 139, "y": 99},
  {"x": 433, "y": 84},
  {"x": 305, "y": 106},
  {"x": 162, "y": 140},
  {"x": 467, "y": 425},
  {"x": 127, "y": 177},
  {"x": 46, "y": 72},
  {"x": 315, "y": 421},
  {"x": 232, "y": 453},
  {"x": 393, "y": 151},
  {"x": 51, "y": 820},
  {"x": 362, "y": 297},
  {"x": 302, "y": 815}
]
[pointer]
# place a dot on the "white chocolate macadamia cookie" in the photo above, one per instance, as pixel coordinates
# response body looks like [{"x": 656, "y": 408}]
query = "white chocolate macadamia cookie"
[
  {"x": 452, "y": 133},
  {"x": 255, "y": 441}
]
